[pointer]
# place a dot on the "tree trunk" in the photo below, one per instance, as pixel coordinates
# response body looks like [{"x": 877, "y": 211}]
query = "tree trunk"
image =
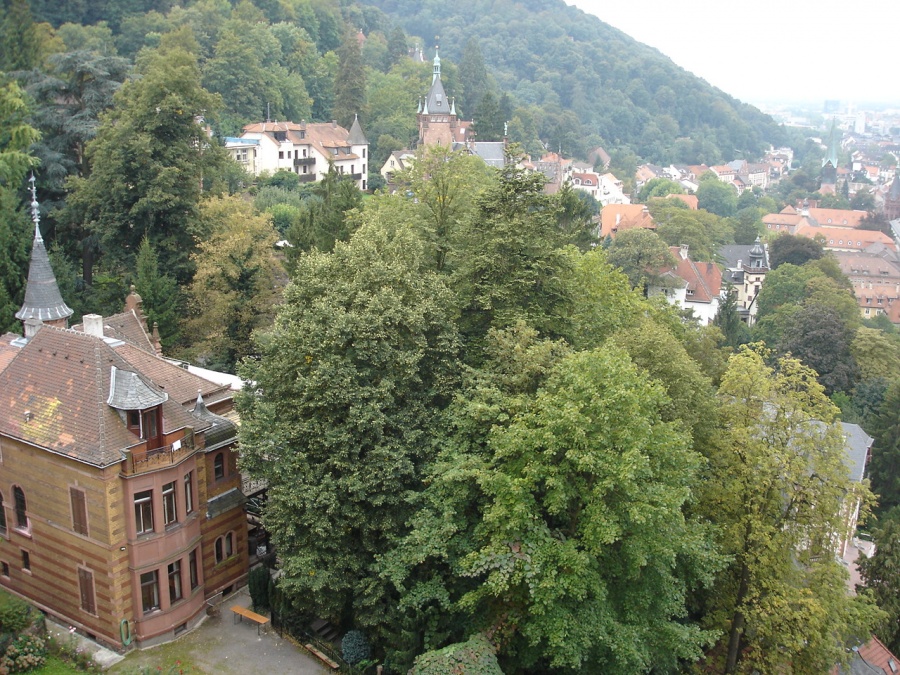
[{"x": 737, "y": 623}]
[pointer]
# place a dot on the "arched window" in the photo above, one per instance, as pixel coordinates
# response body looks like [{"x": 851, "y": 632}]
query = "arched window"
[
  {"x": 219, "y": 466},
  {"x": 2, "y": 516},
  {"x": 21, "y": 508},
  {"x": 219, "y": 550},
  {"x": 229, "y": 545}
]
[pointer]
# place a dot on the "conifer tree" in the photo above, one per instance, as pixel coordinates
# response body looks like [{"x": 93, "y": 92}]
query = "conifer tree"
[{"x": 350, "y": 83}]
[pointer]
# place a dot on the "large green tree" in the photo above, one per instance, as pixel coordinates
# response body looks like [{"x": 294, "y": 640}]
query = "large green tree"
[
  {"x": 350, "y": 83},
  {"x": 348, "y": 384},
  {"x": 150, "y": 159},
  {"x": 885, "y": 466},
  {"x": 778, "y": 489},
  {"x": 881, "y": 574}
]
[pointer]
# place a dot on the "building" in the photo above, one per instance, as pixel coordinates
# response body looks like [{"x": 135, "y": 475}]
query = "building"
[
  {"x": 437, "y": 118},
  {"x": 691, "y": 285},
  {"x": 745, "y": 270},
  {"x": 307, "y": 149},
  {"x": 875, "y": 275},
  {"x": 120, "y": 504},
  {"x": 615, "y": 218}
]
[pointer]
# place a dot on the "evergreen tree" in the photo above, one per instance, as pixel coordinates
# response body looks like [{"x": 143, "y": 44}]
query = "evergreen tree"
[
  {"x": 350, "y": 83},
  {"x": 20, "y": 47},
  {"x": 160, "y": 294},
  {"x": 488, "y": 119},
  {"x": 729, "y": 321},
  {"x": 881, "y": 574},
  {"x": 885, "y": 466},
  {"x": 473, "y": 79},
  {"x": 397, "y": 48}
]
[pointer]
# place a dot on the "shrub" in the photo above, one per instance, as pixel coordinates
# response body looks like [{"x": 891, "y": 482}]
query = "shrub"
[
  {"x": 259, "y": 588},
  {"x": 25, "y": 653},
  {"x": 355, "y": 647},
  {"x": 15, "y": 615}
]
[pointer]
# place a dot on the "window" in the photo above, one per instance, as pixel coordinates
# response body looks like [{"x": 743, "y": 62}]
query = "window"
[
  {"x": 151, "y": 429},
  {"x": 79, "y": 511},
  {"x": 134, "y": 422},
  {"x": 150, "y": 591},
  {"x": 143, "y": 512},
  {"x": 189, "y": 492},
  {"x": 175, "y": 581},
  {"x": 364, "y": 153},
  {"x": 224, "y": 547},
  {"x": 219, "y": 466},
  {"x": 305, "y": 168},
  {"x": 26, "y": 560},
  {"x": 169, "y": 510},
  {"x": 21, "y": 508},
  {"x": 86, "y": 589},
  {"x": 5, "y": 568},
  {"x": 192, "y": 569},
  {"x": 2, "y": 517}
]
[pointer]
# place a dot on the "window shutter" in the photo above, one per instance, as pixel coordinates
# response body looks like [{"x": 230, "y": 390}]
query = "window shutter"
[
  {"x": 79, "y": 511},
  {"x": 86, "y": 586}
]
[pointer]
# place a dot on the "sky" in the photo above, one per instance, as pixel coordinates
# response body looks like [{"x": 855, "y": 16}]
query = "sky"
[{"x": 768, "y": 51}]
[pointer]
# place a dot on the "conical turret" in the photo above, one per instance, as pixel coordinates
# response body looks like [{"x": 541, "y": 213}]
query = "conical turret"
[{"x": 43, "y": 300}]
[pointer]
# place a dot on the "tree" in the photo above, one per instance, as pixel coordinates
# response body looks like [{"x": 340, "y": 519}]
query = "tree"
[
  {"x": 880, "y": 574},
  {"x": 160, "y": 295},
  {"x": 396, "y": 47},
  {"x": 717, "y": 197},
  {"x": 640, "y": 254},
  {"x": 475, "y": 655},
  {"x": 819, "y": 337},
  {"x": 150, "y": 159},
  {"x": 20, "y": 47},
  {"x": 473, "y": 78},
  {"x": 350, "y": 83},
  {"x": 235, "y": 287},
  {"x": 659, "y": 187},
  {"x": 729, "y": 321},
  {"x": 788, "y": 248},
  {"x": 560, "y": 559},
  {"x": 488, "y": 119},
  {"x": 348, "y": 386},
  {"x": 777, "y": 489},
  {"x": 16, "y": 136},
  {"x": 576, "y": 211},
  {"x": 884, "y": 471}
]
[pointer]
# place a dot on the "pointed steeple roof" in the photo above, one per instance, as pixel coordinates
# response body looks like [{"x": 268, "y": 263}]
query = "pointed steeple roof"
[
  {"x": 42, "y": 297},
  {"x": 832, "y": 156},
  {"x": 436, "y": 102},
  {"x": 357, "y": 137}
]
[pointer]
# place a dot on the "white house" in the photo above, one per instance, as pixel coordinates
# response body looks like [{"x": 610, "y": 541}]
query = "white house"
[{"x": 305, "y": 149}]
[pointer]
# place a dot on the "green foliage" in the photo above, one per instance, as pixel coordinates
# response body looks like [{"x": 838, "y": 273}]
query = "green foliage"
[
  {"x": 355, "y": 647},
  {"x": 640, "y": 254},
  {"x": 659, "y": 187},
  {"x": 729, "y": 321},
  {"x": 148, "y": 159},
  {"x": 15, "y": 614},
  {"x": 777, "y": 489},
  {"x": 258, "y": 584},
  {"x": 475, "y": 656},
  {"x": 819, "y": 337},
  {"x": 160, "y": 295},
  {"x": 717, "y": 197},
  {"x": 787, "y": 248},
  {"x": 885, "y": 428},
  {"x": 26, "y": 653},
  {"x": 881, "y": 574},
  {"x": 360, "y": 361},
  {"x": 350, "y": 83}
]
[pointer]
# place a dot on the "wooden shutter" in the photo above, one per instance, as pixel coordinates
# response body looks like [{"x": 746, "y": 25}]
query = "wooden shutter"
[
  {"x": 86, "y": 586},
  {"x": 79, "y": 511}
]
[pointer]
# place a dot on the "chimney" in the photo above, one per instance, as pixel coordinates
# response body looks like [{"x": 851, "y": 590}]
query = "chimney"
[
  {"x": 154, "y": 339},
  {"x": 93, "y": 325},
  {"x": 618, "y": 219},
  {"x": 684, "y": 251},
  {"x": 334, "y": 124},
  {"x": 32, "y": 326}
]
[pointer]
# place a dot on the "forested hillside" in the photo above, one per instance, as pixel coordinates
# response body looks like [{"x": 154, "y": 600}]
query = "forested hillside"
[{"x": 590, "y": 82}]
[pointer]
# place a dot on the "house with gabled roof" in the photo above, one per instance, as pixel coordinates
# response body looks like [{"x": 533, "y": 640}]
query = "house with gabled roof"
[
  {"x": 746, "y": 267},
  {"x": 615, "y": 218},
  {"x": 121, "y": 512},
  {"x": 307, "y": 149},
  {"x": 695, "y": 286}
]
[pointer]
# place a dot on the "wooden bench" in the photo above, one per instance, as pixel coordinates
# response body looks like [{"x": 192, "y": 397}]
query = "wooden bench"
[
  {"x": 322, "y": 657},
  {"x": 253, "y": 616}
]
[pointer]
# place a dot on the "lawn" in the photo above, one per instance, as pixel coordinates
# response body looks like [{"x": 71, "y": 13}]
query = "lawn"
[{"x": 55, "y": 666}]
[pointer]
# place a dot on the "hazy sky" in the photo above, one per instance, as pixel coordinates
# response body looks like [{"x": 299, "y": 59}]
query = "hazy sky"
[{"x": 771, "y": 50}]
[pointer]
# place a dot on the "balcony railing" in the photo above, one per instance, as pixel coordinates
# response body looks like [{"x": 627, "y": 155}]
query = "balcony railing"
[
  {"x": 307, "y": 178},
  {"x": 304, "y": 161},
  {"x": 139, "y": 459}
]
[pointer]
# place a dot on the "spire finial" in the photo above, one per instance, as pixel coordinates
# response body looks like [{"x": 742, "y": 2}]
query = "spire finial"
[
  {"x": 436, "y": 73},
  {"x": 35, "y": 208}
]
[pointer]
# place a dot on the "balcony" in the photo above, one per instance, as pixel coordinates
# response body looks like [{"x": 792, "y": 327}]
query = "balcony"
[
  {"x": 140, "y": 459},
  {"x": 304, "y": 161},
  {"x": 307, "y": 178},
  {"x": 355, "y": 176}
]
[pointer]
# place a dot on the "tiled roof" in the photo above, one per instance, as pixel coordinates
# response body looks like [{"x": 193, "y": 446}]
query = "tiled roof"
[
  {"x": 42, "y": 297},
  {"x": 54, "y": 394},
  {"x": 704, "y": 280},
  {"x": 691, "y": 200},
  {"x": 619, "y": 217},
  {"x": 126, "y": 327},
  {"x": 7, "y": 351},
  {"x": 328, "y": 138},
  {"x": 845, "y": 237},
  {"x": 837, "y": 217}
]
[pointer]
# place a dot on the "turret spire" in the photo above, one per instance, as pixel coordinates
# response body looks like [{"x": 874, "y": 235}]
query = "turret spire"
[
  {"x": 436, "y": 74},
  {"x": 42, "y": 298}
]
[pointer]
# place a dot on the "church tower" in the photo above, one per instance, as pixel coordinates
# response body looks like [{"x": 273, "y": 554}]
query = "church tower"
[
  {"x": 43, "y": 301},
  {"x": 830, "y": 163},
  {"x": 438, "y": 121}
]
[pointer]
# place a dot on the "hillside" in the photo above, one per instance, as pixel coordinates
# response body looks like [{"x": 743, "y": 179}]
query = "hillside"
[{"x": 592, "y": 82}]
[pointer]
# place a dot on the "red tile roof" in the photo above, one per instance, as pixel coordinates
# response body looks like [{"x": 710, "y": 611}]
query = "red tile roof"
[
  {"x": 619, "y": 217},
  {"x": 845, "y": 237},
  {"x": 704, "y": 279},
  {"x": 691, "y": 200},
  {"x": 837, "y": 217}
]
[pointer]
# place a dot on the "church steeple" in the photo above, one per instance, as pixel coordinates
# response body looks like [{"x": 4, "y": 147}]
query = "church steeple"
[
  {"x": 436, "y": 72},
  {"x": 42, "y": 297}
]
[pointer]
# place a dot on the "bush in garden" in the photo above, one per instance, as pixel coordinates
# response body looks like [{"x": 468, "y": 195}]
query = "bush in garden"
[
  {"x": 15, "y": 615},
  {"x": 259, "y": 588},
  {"x": 355, "y": 647},
  {"x": 27, "y": 652}
]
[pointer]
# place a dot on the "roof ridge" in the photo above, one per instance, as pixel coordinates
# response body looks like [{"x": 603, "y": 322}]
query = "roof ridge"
[{"x": 101, "y": 398}]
